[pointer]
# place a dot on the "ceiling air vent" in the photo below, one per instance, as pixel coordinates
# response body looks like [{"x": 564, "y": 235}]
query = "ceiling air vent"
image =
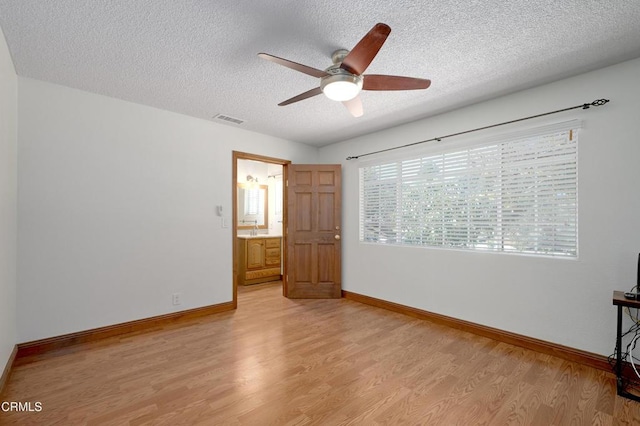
[{"x": 228, "y": 119}]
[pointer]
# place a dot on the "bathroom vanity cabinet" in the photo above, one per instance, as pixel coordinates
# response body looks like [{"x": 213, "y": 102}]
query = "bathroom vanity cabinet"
[{"x": 259, "y": 259}]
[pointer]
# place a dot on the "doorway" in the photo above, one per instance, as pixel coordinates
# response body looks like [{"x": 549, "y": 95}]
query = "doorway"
[{"x": 259, "y": 220}]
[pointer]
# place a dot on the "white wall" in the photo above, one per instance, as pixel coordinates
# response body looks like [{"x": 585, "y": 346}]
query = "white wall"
[
  {"x": 8, "y": 202},
  {"x": 558, "y": 300},
  {"x": 117, "y": 207}
]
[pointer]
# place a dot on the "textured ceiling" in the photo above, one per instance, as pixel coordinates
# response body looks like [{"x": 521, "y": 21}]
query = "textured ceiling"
[{"x": 199, "y": 57}]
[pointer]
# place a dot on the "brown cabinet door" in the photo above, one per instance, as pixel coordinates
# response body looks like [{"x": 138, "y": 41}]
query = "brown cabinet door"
[
  {"x": 255, "y": 254},
  {"x": 314, "y": 231}
]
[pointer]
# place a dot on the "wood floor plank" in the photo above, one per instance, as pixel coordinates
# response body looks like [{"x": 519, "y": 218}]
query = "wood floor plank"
[{"x": 309, "y": 362}]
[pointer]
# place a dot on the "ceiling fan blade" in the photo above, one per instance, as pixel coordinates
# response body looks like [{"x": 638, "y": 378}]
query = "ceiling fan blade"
[
  {"x": 294, "y": 65},
  {"x": 354, "y": 106},
  {"x": 302, "y": 96},
  {"x": 393, "y": 82},
  {"x": 357, "y": 61}
]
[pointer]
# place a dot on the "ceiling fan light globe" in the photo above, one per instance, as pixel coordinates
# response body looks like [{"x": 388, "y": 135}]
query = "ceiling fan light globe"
[
  {"x": 341, "y": 90},
  {"x": 341, "y": 87}
]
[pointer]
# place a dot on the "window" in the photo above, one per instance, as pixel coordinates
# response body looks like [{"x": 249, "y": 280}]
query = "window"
[
  {"x": 253, "y": 201},
  {"x": 516, "y": 195}
]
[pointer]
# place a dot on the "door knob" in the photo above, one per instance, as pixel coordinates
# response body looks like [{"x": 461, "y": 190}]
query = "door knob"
[{"x": 337, "y": 237}]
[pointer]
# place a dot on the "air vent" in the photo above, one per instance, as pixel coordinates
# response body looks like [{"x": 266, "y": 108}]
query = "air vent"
[{"x": 228, "y": 119}]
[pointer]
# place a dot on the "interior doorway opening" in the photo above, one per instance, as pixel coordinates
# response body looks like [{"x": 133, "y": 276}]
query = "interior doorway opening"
[{"x": 259, "y": 221}]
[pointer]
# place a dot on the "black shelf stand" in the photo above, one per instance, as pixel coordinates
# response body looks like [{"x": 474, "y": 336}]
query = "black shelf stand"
[{"x": 622, "y": 380}]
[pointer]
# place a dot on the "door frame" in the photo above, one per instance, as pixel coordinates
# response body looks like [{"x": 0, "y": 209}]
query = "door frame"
[{"x": 238, "y": 155}]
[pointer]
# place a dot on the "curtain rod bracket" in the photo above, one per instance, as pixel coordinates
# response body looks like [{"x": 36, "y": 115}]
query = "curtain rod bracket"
[{"x": 599, "y": 102}]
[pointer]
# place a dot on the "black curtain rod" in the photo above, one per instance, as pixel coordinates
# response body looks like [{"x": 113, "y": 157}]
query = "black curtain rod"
[{"x": 597, "y": 102}]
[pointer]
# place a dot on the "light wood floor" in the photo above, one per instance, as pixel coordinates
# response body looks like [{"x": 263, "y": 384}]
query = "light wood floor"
[{"x": 326, "y": 362}]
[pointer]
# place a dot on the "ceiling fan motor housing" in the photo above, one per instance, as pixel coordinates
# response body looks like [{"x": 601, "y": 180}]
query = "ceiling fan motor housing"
[
  {"x": 338, "y": 56},
  {"x": 340, "y": 85}
]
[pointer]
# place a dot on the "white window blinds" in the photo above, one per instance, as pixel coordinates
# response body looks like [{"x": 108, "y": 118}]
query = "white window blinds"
[
  {"x": 517, "y": 195},
  {"x": 252, "y": 200}
]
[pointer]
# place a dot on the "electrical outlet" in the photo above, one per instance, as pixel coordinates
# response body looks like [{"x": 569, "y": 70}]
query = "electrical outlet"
[{"x": 176, "y": 299}]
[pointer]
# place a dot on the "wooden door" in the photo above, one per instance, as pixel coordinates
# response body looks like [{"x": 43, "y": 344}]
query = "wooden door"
[{"x": 313, "y": 232}]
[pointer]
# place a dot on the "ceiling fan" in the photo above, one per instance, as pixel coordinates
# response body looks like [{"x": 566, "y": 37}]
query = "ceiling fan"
[{"x": 344, "y": 80}]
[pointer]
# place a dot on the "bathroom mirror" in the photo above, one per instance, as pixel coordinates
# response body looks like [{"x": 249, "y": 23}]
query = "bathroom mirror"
[{"x": 252, "y": 206}]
